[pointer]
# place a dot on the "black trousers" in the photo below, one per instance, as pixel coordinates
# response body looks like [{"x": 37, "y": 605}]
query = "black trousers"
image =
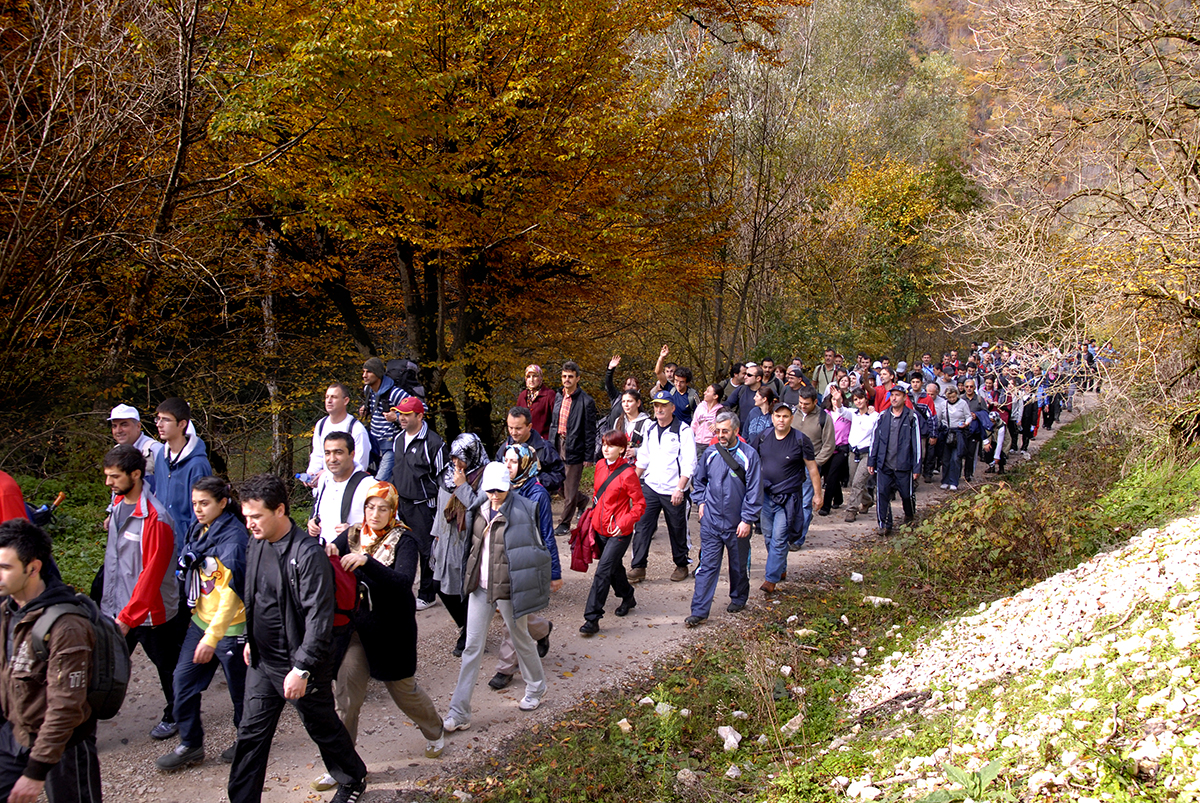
[
  {"x": 610, "y": 573},
  {"x": 419, "y": 516},
  {"x": 835, "y": 473},
  {"x": 260, "y": 716},
  {"x": 74, "y": 779},
  {"x": 676, "y": 516},
  {"x": 162, "y": 644}
]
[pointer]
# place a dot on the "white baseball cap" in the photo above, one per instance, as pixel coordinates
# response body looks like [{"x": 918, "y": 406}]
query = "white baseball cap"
[
  {"x": 495, "y": 478},
  {"x": 124, "y": 411}
]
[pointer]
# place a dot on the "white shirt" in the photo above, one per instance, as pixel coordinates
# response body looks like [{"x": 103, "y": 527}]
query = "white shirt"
[
  {"x": 665, "y": 457},
  {"x": 328, "y": 507},
  {"x": 862, "y": 427},
  {"x": 362, "y": 442}
]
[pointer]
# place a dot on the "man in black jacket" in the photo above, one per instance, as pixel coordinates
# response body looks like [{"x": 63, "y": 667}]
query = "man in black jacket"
[
  {"x": 421, "y": 455},
  {"x": 573, "y": 429},
  {"x": 520, "y": 430},
  {"x": 289, "y": 599}
]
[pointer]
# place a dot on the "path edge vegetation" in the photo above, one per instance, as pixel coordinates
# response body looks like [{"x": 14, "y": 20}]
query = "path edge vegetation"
[{"x": 1088, "y": 490}]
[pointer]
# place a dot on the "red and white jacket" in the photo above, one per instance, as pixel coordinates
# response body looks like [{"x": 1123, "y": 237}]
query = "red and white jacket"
[{"x": 139, "y": 561}]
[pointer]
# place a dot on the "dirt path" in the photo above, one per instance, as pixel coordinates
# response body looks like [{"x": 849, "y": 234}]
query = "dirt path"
[{"x": 393, "y": 748}]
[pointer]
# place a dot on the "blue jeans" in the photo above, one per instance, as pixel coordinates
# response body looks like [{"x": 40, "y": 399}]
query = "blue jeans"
[
  {"x": 778, "y": 523},
  {"x": 192, "y": 679},
  {"x": 387, "y": 462},
  {"x": 712, "y": 543}
]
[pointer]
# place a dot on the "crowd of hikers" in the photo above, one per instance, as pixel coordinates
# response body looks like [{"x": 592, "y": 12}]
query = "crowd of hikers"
[{"x": 204, "y": 576}]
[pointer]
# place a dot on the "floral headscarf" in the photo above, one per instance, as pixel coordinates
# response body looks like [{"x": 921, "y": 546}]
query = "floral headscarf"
[
  {"x": 528, "y": 464},
  {"x": 369, "y": 539},
  {"x": 468, "y": 448}
]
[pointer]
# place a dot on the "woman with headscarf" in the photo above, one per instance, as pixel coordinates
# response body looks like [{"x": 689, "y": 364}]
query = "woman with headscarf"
[
  {"x": 458, "y": 491},
  {"x": 384, "y": 643},
  {"x": 523, "y": 466}
]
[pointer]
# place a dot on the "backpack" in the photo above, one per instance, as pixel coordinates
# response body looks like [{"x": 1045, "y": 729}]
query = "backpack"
[
  {"x": 407, "y": 376},
  {"x": 345, "y": 584},
  {"x": 110, "y": 659}
]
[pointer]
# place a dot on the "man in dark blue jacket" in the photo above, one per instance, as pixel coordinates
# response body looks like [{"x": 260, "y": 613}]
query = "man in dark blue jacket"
[
  {"x": 420, "y": 456},
  {"x": 289, "y": 599},
  {"x": 728, "y": 487},
  {"x": 895, "y": 459},
  {"x": 573, "y": 433},
  {"x": 520, "y": 430}
]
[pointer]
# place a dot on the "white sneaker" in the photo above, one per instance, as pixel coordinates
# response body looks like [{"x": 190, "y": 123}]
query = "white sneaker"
[
  {"x": 954, "y": 487},
  {"x": 434, "y": 749},
  {"x": 945, "y": 486},
  {"x": 450, "y": 724},
  {"x": 324, "y": 783},
  {"x": 529, "y": 703},
  {"x": 422, "y": 605}
]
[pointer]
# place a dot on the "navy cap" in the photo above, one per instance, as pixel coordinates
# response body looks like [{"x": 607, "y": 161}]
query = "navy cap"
[{"x": 661, "y": 397}]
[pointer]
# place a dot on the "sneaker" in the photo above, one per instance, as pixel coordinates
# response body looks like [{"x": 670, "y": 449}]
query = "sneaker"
[
  {"x": 589, "y": 628},
  {"x": 954, "y": 487},
  {"x": 182, "y": 756},
  {"x": 562, "y": 529},
  {"x": 529, "y": 703},
  {"x": 735, "y": 607},
  {"x": 626, "y": 606},
  {"x": 881, "y": 531},
  {"x": 635, "y": 575},
  {"x": 426, "y": 604},
  {"x": 324, "y": 783},
  {"x": 767, "y": 587},
  {"x": 795, "y": 546},
  {"x": 434, "y": 748},
  {"x": 461, "y": 644},
  {"x": 945, "y": 485},
  {"x": 349, "y": 792},
  {"x": 692, "y": 621},
  {"x": 500, "y": 681},
  {"x": 450, "y": 724},
  {"x": 165, "y": 729},
  {"x": 543, "y": 644},
  {"x": 680, "y": 574},
  {"x": 822, "y": 512},
  {"x": 227, "y": 753},
  {"x": 852, "y": 514}
]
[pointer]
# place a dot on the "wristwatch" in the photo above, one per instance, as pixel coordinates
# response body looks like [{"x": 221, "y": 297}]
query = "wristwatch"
[{"x": 303, "y": 673}]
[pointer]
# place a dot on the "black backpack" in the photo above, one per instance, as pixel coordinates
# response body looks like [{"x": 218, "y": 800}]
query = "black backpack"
[
  {"x": 110, "y": 658},
  {"x": 407, "y": 376}
]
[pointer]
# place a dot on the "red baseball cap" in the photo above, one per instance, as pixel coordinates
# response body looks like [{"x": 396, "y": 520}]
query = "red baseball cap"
[{"x": 410, "y": 404}]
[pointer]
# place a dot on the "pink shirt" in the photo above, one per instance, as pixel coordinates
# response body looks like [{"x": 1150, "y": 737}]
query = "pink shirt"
[{"x": 702, "y": 422}]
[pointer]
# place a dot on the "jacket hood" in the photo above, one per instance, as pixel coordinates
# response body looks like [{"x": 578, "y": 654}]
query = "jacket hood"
[
  {"x": 194, "y": 447},
  {"x": 56, "y": 591}
]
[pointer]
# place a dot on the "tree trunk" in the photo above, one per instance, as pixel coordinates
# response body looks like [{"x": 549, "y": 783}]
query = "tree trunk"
[{"x": 281, "y": 447}]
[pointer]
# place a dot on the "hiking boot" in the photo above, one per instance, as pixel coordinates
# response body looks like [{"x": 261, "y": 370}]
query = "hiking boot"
[
  {"x": 543, "y": 644},
  {"x": 767, "y": 587},
  {"x": 228, "y": 753},
  {"x": 881, "y": 531},
  {"x": 823, "y": 512},
  {"x": 795, "y": 546},
  {"x": 783, "y": 575},
  {"x": 692, "y": 621},
  {"x": 562, "y": 529},
  {"x": 165, "y": 729},
  {"x": 680, "y": 574},
  {"x": 636, "y": 575},
  {"x": 324, "y": 783},
  {"x": 182, "y": 756},
  {"x": 500, "y": 681},
  {"x": 433, "y": 749},
  {"x": 735, "y": 607},
  {"x": 626, "y": 606},
  {"x": 349, "y": 792},
  {"x": 851, "y": 514},
  {"x": 589, "y": 628}
]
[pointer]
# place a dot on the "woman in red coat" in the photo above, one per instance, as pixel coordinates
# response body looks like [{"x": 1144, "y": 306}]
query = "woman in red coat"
[{"x": 617, "y": 510}]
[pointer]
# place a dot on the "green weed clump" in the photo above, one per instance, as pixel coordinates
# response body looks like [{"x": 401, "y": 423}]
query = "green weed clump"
[{"x": 1044, "y": 517}]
